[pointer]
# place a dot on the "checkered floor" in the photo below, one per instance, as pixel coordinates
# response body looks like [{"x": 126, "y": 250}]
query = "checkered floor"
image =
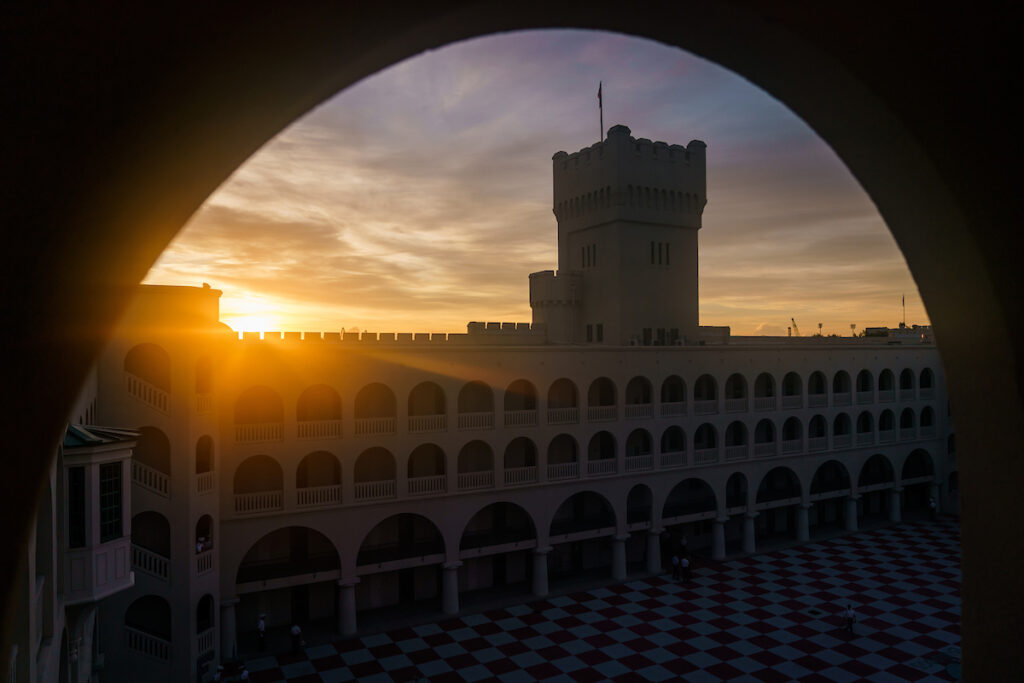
[{"x": 771, "y": 617}]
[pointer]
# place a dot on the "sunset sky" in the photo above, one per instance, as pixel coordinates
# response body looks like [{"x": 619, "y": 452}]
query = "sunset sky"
[{"x": 420, "y": 198}]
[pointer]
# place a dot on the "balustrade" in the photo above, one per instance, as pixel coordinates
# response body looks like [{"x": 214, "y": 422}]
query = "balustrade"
[
  {"x": 908, "y": 434},
  {"x": 673, "y": 459},
  {"x": 422, "y": 486},
  {"x": 705, "y": 456},
  {"x": 842, "y": 399},
  {"x": 906, "y": 394},
  {"x": 204, "y": 641},
  {"x": 817, "y": 443},
  {"x": 375, "y": 490},
  {"x": 928, "y": 432},
  {"x": 259, "y": 432},
  {"x": 204, "y": 562},
  {"x": 887, "y": 435},
  {"x": 204, "y": 403},
  {"x": 865, "y": 438},
  {"x": 520, "y": 418},
  {"x": 841, "y": 441},
  {"x": 146, "y": 392},
  {"x": 673, "y": 408},
  {"x": 476, "y": 480},
  {"x": 204, "y": 482},
  {"x": 817, "y": 400},
  {"x": 601, "y": 467},
  {"x": 151, "y": 479},
  {"x": 886, "y": 396},
  {"x": 147, "y": 644},
  {"x": 601, "y": 413},
  {"x": 639, "y": 410},
  {"x": 476, "y": 420},
  {"x": 151, "y": 563},
  {"x": 927, "y": 393},
  {"x": 424, "y": 424},
  {"x": 765, "y": 403},
  {"x": 735, "y": 405},
  {"x": 709, "y": 407},
  {"x": 639, "y": 463},
  {"x": 865, "y": 397},
  {"x": 370, "y": 426},
  {"x": 565, "y": 470},
  {"x": 792, "y": 402},
  {"x": 733, "y": 453},
  {"x": 792, "y": 446},
  {"x": 262, "y": 501},
  {"x": 563, "y": 416},
  {"x": 517, "y": 476},
  {"x": 310, "y": 496},
  {"x": 764, "y": 450},
  {"x": 319, "y": 429}
]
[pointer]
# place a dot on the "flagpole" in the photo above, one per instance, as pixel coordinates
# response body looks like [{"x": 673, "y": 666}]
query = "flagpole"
[{"x": 600, "y": 108}]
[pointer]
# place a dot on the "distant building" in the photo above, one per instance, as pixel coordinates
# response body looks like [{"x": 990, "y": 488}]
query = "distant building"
[{"x": 324, "y": 476}]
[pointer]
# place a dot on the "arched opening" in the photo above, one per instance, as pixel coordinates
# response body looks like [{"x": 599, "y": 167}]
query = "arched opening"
[
  {"x": 476, "y": 466},
  {"x": 705, "y": 439},
  {"x": 907, "y": 383},
  {"x": 917, "y": 479},
  {"x": 830, "y": 488},
  {"x": 778, "y": 496},
  {"x": 520, "y": 462},
  {"x": 259, "y": 405},
  {"x": 304, "y": 566},
  {"x": 764, "y": 386},
  {"x": 409, "y": 551},
  {"x": 865, "y": 382},
  {"x": 375, "y": 410},
  {"x": 735, "y": 387},
  {"x": 490, "y": 532},
  {"x": 204, "y": 534},
  {"x": 687, "y": 515},
  {"x": 151, "y": 532},
  {"x": 580, "y": 536},
  {"x": 842, "y": 427},
  {"x": 204, "y": 455},
  {"x": 865, "y": 428},
  {"x": 520, "y": 395},
  {"x": 563, "y": 458},
  {"x": 476, "y": 397},
  {"x": 764, "y": 438},
  {"x": 639, "y": 504},
  {"x": 639, "y": 392},
  {"x": 601, "y": 454},
  {"x": 736, "y": 491},
  {"x": 792, "y": 435},
  {"x": 673, "y": 396},
  {"x": 926, "y": 382},
  {"x": 841, "y": 388},
  {"x": 792, "y": 391},
  {"x": 152, "y": 451},
  {"x": 426, "y": 399},
  {"x": 886, "y": 425},
  {"x": 886, "y": 385},
  {"x": 151, "y": 364},
  {"x": 374, "y": 474},
  {"x": 147, "y": 625},
  {"x": 705, "y": 395},
  {"x": 204, "y": 376},
  {"x": 318, "y": 479},
  {"x": 817, "y": 433},
  {"x": 258, "y": 485},
  {"x": 735, "y": 434},
  {"x": 562, "y": 395},
  {"x": 638, "y": 443},
  {"x": 873, "y": 482},
  {"x": 601, "y": 393},
  {"x": 817, "y": 390},
  {"x": 427, "y": 460},
  {"x": 204, "y": 614},
  {"x": 318, "y": 403},
  {"x": 907, "y": 418},
  {"x": 927, "y": 421}
]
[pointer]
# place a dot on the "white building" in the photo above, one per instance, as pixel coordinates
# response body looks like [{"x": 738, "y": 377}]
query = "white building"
[{"x": 320, "y": 476}]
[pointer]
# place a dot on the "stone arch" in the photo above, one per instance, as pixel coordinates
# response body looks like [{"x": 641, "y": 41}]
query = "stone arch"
[
  {"x": 736, "y": 434},
  {"x": 150, "y": 614},
  {"x": 691, "y": 496},
  {"x": 150, "y": 363},
  {"x": 639, "y": 442},
  {"x": 204, "y": 533},
  {"x": 841, "y": 382},
  {"x": 583, "y": 511},
  {"x": 497, "y": 524},
  {"x": 865, "y": 381},
  {"x": 865, "y": 422},
  {"x": 927, "y": 417},
  {"x": 602, "y": 446},
  {"x": 520, "y": 395},
  {"x": 319, "y": 468},
  {"x": 842, "y": 424},
  {"x": 907, "y": 380},
  {"x": 792, "y": 384},
  {"x": 907, "y": 418},
  {"x": 259, "y": 405},
  {"x": 830, "y": 476},
  {"x": 288, "y": 551},
  {"x": 764, "y": 432},
  {"x": 476, "y": 397},
  {"x": 476, "y": 456},
  {"x": 563, "y": 394},
  {"x": 204, "y": 455},
  {"x": 735, "y": 386},
  {"x": 673, "y": 440},
  {"x": 876, "y": 470},
  {"x": 427, "y": 398},
  {"x": 673, "y": 390},
  {"x": 886, "y": 380},
  {"x": 817, "y": 385},
  {"x": 400, "y": 537},
  {"x": 706, "y": 436},
  {"x": 374, "y": 464},
  {"x": 792, "y": 429},
  {"x": 705, "y": 388},
  {"x": 886, "y": 421},
  {"x": 918, "y": 464},
  {"x": 152, "y": 531},
  {"x": 639, "y": 504},
  {"x": 318, "y": 403},
  {"x": 520, "y": 452},
  {"x": 205, "y": 611},
  {"x": 375, "y": 400},
  {"x": 426, "y": 460},
  {"x": 764, "y": 386},
  {"x": 257, "y": 474},
  {"x": 817, "y": 428},
  {"x": 639, "y": 391},
  {"x": 927, "y": 379},
  {"x": 778, "y": 484},
  {"x": 563, "y": 449},
  {"x": 153, "y": 450},
  {"x": 601, "y": 393}
]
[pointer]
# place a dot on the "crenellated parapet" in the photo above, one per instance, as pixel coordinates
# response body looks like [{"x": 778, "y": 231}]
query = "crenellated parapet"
[{"x": 477, "y": 333}]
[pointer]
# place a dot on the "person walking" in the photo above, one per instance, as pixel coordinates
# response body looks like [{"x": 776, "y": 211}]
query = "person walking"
[
  {"x": 675, "y": 567},
  {"x": 261, "y": 632},
  {"x": 849, "y": 617},
  {"x": 685, "y": 563}
]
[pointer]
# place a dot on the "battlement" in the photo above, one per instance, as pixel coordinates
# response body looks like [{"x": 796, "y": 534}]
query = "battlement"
[
  {"x": 477, "y": 333},
  {"x": 620, "y": 138}
]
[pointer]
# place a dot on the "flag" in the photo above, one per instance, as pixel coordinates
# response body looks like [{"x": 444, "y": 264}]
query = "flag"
[
  {"x": 599, "y": 103},
  {"x": 904, "y": 299}
]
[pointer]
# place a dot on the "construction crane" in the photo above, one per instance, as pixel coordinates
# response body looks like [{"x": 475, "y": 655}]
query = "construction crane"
[{"x": 796, "y": 330}]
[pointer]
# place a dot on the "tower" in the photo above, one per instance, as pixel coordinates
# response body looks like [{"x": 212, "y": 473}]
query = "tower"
[{"x": 628, "y": 212}]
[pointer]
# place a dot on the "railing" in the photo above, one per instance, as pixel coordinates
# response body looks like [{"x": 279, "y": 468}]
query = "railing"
[
  {"x": 421, "y": 486},
  {"x": 765, "y": 403},
  {"x": 204, "y": 403},
  {"x": 705, "y": 456},
  {"x": 151, "y": 563},
  {"x": 563, "y": 416},
  {"x": 906, "y": 394},
  {"x": 864, "y": 397},
  {"x": 673, "y": 459},
  {"x": 817, "y": 400},
  {"x": 907, "y": 434},
  {"x": 736, "y": 452},
  {"x": 928, "y": 431},
  {"x": 476, "y": 480},
  {"x": 375, "y": 425},
  {"x": 261, "y": 431},
  {"x": 601, "y": 413},
  {"x": 422, "y": 424},
  {"x": 146, "y": 392},
  {"x": 204, "y": 641},
  {"x": 516, "y": 476},
  {"x": 709, "y": 407},
  {"x": 735, "y": 405},
  {"x": 792, "y": 445},
  {"x": 151, "y": 479},
  {"x": 204, "y": 482},
  {"x": 841, "y": 441},
  {"x": 601, "y": 467},
  {"x": 565, "y": 470},
  {"x": 263, "y": 501},
  {"x": 927, "y": 393},
  {"x": 476, "y": 420},
  {"x": 375, "y": 490},
  {"x": 318, "y": 495},
  {"x": 149, "y": 645},
  {"x": 817, "y": 443},
  {"x": 886, "y": 435},
  {"x": 638, "y": 410},
  {"x": 319, "y": 429},
  {"x": 886, "y": 395},
  {"x": 520, "y": 418},
  {"x": 639, "y": 463},
  {"x": 841, "y": 399},
  {"x": 763, "y": 450},
  {"x": 204, "y": 562},
  {"x": 865, "y": 438},
  {"x": 673, "y": 408},
  {"x": 792, "y": 402}
]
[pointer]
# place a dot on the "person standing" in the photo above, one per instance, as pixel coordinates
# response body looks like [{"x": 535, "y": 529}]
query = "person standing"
[
  {"x": 685, "y": 563},
  {"x": 261, "y": 632},
  {"x": 932, "y": 509},
  {"x": 675, "y": 567},
  {"x": 849, "y": 617},
  {"x": 296, "y": 638}
]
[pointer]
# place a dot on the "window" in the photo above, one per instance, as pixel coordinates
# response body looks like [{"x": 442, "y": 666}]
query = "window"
[
  {"x": 668, "y": 260},
  {"x": 583, "y": 256},
  {"x": 590, "y": 333},
  {"x": 660, "y": 245},
  {"x": 647, "y": 336},
  {"x": 600, "y": 332},
  {"x": 652, "y": 253},
  {"x": 110, "y": 501},
  {"x": 593, "y": 256},
  {"x": 76, "y": 507}
]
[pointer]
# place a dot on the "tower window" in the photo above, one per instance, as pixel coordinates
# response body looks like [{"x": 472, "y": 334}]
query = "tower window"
[
  {"x": 667, "y": 259},
  {"x": 590, "y": 333},
  {"x": 652, "y": 253},
  {"x": 660, "y": 245},
  {"x": 110, "y": 501},
  {"x": 600, "y": 332}
]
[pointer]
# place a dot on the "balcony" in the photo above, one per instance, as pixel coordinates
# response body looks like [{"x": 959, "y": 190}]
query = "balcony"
[
  {"x": 639, "y": 411},
  {"x": 426, "y": 424},
  {"x": 673, "y": 459},
  {"x": 259, "y": 433},
  {"x": 94, "y": 572},
  {"x": 842, "y": 441},
  {"x": 928, "y": 432},
  {"x": 816, "y": 444},
  {"x": 476, "y": 420},
  {"x": 841, "y": 399},
  {"x": 907, "y": 394},
  {"x": 204, "y": 642},
  {"x": 426, "y": 486},
  {"x": 563, "y": 416},
  {"x": 792, "y": 402},
  {"x": 886, "y": 395},
  {"x": 319, "y": 429},
  {"x": 709, "y": 407},
  {"x": 763, "y": 403},
  {"x": 705, "y": 456},
  {"x": 865, "y": 397},
  {"x": 146, "y": 644},
  {"x": 204, "y": 403},
  {"x": 791, "y": 446},
  {"x": 639, "y": 463},
  {"x": 865, "y": 438},
  {"x": 149, "y": 562},
  {"x": 927, "y": 393},
  {"x": 908, "y": 434},
  {"x": 314, "y": 496},
  {"x": 601, "y": 413},
  {"x": 565, "y": 470},
  {"x": 263, "y": 501},
  {"x": 735, "y": 405},
  {"x": 519, "y": 476},
  {"x": 674, "y": 408},
  {"x": 734, "y": 453},
  {"x": 151, "y": 479},
  {"x": 147, "y": 393},
  {"x": 375, "y": 426},
  {"x": 204, "y": 482},
  {"x": 765, "y": 450},
  {"x": 375, "y": 490},
  {"x": 204, "y": 562},
  {"x": 601, "y": 468},
  {"x": 817, "y": 400},
  {"x": 886, "y": 435},
  {"x": 520, "y": 418}
]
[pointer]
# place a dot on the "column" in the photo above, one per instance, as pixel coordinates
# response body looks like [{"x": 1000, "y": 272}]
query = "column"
[
  {"x": 895, "y": 512},
  {"x": 347, "y": 606},
  {"x": 654, "y": 551},
  {"x": 749, "y": 537},
  {"x": 228, "y": 630},
  {"x": 851, "y": 513},
  {"x": 450, "y": 597},
  {"x": 803, "y": 531},
  {"x": 718, "y": 538},
  {"x": 619, "y": 557},
  {"x": 540, "y": 571}
]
